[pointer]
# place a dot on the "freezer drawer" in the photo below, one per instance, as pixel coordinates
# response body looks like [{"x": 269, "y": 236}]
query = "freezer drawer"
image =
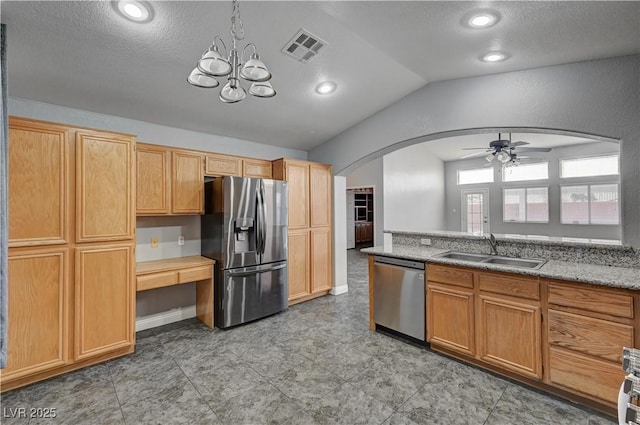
[
  {"x": 399, "y": 296},
  {"x": 249, "y": 293}
]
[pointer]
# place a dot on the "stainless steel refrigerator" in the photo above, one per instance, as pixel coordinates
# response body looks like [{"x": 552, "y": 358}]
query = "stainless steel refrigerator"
[{"x": 244, "y": 228}]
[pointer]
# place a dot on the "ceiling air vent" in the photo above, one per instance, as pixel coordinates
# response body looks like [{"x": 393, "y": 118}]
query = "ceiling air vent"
[{"x": 304, "y": 46}]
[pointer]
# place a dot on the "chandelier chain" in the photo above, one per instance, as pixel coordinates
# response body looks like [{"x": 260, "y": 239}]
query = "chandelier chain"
[{"x": 237, "y": 28}]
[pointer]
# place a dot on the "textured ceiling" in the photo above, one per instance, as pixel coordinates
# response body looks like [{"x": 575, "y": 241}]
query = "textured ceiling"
[{"x": 84, "y": 55}]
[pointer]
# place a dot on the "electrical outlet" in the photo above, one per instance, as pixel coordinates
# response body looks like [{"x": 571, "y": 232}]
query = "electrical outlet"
[
  {"x": 154, "y": 242},
  {"x": 180, "y": 240},
  {"x": 425, "y": 241}
]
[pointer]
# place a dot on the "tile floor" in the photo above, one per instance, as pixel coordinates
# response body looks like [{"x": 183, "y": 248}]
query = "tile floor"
[{"x": 316, "y": 363}]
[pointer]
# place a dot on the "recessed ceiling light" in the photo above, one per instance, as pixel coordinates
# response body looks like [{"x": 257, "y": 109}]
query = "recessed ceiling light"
[
  {"x": 480, "y": 18},
  {"x": 494, "y": 57},
  {"x": 326, "y": 87},
  {"x": 482, "y": 21},
  {"x": 136, "y": 11}
]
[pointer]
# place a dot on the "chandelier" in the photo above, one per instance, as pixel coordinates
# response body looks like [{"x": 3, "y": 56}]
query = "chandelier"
[{"x": 213, "y": 64}]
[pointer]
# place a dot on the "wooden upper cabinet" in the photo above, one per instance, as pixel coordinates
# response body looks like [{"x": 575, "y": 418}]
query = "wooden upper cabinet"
[
  {"x": 104, "y": 299},
  {"x": 223, "y": 165},
  {"x": 38, "y": 337},
  {"x": 257, "y": 168},
  {"x": 321, "y": 194},
  {"x": 38, "y": 183},
  {"x": 296, "y": 173},
  {"x": 187, "y": 183},
  {"x": 104, "y": 186},
  {"x": 152, "y": 180}
]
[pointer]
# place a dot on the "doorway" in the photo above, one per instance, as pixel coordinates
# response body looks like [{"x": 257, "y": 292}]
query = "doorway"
[
  {"x": 475, "y": 211},
  {"x": 360, "y": 217}
]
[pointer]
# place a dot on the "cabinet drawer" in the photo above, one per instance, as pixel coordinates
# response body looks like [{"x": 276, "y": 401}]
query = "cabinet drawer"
[
  {"x": 589, "y": 376},
  {"x": 595, "y": 337},
  {"x": 599, "y": 301},
  {"x": 450, "y": 275},
  {"x": 196, "y": 273},
  {"x": 223, "y": 165},
  {"x": 507, "y": 285},
  {"x": 156, "y": 280}
]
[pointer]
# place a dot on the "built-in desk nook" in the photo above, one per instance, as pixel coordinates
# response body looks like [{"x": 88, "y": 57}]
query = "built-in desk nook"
[{"x": 176, "y": 271}]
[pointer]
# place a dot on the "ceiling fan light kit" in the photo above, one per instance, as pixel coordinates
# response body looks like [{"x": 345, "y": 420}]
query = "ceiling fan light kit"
[
  {"x": 503, "y": 151},
  {"x": 213, "y": 64}
]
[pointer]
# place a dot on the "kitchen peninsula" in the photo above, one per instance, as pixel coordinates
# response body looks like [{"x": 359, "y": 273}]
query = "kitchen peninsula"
[{"x": 559, "y": 327}]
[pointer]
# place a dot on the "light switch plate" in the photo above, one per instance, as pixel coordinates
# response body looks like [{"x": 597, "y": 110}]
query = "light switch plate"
[{"x": 180, "y": 240}]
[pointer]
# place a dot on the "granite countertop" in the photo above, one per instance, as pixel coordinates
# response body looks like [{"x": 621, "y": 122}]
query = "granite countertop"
[{"x": 618, "y": 277}]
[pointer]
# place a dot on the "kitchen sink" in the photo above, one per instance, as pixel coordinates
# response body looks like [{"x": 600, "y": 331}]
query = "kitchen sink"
[
  {"x": 463, "y": 256},
  {"x": 516, "y": 262},
  {"x": 527, "y": 263}
]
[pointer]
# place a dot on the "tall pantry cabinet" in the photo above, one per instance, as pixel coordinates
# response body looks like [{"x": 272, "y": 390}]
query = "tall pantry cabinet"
[
  {"x": 310, "y": 227},
  {"x": 71, "y": 249}
]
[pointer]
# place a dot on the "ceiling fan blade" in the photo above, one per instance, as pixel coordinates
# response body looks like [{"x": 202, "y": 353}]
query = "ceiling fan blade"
[
  {"x": 518, "y": 143},
  {"x": 468, "y": 149},
  {"x": 534, "y": 150},
  {"x": 469, "y": 155}
]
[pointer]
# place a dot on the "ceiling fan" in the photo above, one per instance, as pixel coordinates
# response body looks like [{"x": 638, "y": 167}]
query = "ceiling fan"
[{"x": 504, "y": 150}]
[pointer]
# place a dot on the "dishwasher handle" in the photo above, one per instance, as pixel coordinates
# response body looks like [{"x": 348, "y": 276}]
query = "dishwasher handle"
[{"x": 378, "y": 259}]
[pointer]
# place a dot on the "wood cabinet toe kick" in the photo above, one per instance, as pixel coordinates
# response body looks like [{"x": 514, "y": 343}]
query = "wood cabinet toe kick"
[{"x": 177, "y": 271}]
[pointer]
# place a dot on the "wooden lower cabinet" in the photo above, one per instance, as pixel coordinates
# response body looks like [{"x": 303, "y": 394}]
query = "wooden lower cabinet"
[
  {"x": 321, "y": 266},
  {"x": 585, "y": 375},
  {"x": 564, "y": 337},
  {"x": 298, "y": 265},
  {"x": 450, "y": 318},
  {"x": 104, "y": 299},
  {"x": 509, "y": 335},
  {"x": 587, "y": 328},
  {"x": 38, "y": 335}
]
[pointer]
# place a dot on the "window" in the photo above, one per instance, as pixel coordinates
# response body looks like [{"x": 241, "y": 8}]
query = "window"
[
  {"x": 537, "y": 171},
  {"x": 526, "y": 205},
  {"x": 590, "y": 204},
  {"x": 476, "y": 175},
  {"x": 590, "y": 167}
]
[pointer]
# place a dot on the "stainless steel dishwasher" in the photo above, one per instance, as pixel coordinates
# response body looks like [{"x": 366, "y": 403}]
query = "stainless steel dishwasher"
[{"x": 398, "y": 295}]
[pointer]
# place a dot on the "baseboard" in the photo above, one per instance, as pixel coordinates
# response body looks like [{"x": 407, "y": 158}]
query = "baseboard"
[
  {"x": 338, "y": 290},
  {"x": 164, "y": 318}
]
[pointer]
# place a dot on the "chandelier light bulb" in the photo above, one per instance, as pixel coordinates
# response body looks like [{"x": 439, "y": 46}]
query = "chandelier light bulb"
[
  {"x": 232, "y": 92},
  {"x": 262, "y": 89},
  {"x": 255, "y": 70},
  {"x": 199, "y": 79},
  {"x": 489, "y": 158}
]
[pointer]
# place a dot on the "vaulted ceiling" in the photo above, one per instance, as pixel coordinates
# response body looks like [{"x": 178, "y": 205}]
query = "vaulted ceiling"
[{"x": 82, "y": 54}]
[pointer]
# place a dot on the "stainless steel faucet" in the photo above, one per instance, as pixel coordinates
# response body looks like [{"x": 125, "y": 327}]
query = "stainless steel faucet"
[{"x": 493, "y": 244}]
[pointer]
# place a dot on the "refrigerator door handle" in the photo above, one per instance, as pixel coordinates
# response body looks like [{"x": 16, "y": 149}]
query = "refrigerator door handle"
[
  {"x": 257, "y": 271},
  {"x": 259, "y": 222},
  {"x": 263, "y": 218}
]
